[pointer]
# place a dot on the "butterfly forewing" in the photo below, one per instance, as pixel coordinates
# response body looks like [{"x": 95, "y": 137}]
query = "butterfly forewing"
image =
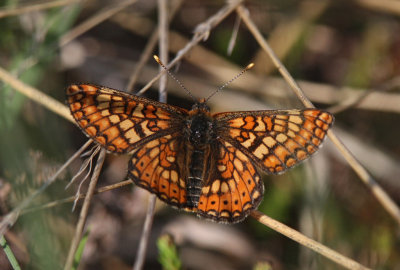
[
  {"x": 120, "y": 121},
  {"x": 275, "y": 140}
]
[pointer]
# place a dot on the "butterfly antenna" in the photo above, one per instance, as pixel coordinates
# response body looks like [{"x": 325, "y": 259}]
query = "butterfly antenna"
[
  {"x": 173, "y": 77},
  {"x": 249, "y": 66}
]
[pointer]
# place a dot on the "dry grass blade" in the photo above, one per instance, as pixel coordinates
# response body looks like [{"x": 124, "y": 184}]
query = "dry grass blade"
[
  {"x": 389, "y": 6},
  {"x": 93, "y": 21},
  {"x": 73, "y": 198},
  {"x": 355, "y": 101},
  {"x": 34, "y": 7},
  {"x": 90, "y": 161},
  {"x": 84, "y": 210},
  {"x": 10, "y": 218},
  {"x": 148, "y": 50},
  {"x": 233, "y": 38},
  {"x": 305, "y": 241},
  {"x": 35, "y": 95},
  {"x": 378, "y": 192},
  {"x": 163, "y": 47},
  {"x": 85, "y": 164},
  {"x": 199, "y": 36}
]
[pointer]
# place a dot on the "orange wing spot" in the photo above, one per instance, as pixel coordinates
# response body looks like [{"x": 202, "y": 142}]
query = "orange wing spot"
[
  {"x": 225, "y": 202},
  {"x": 268, "y": 122},
  {"x": 309, "y": 125},
  {"x": 291, "y": 145},
  {"x": 248, "y": 179},
  {"x": 111, "y": 133},
  {"x": 242, "y": 188},
  {"x": 279, "y": 128},
  {"x": 182, "y": 197},
  {"x": 316, "y": 141},
  {"x": 89, "y": 109},
  {"x": 319, "y": 123},
  {"x": 236, "y": 123},
  {"x": 103, "y": 124},
  {"x": 88, "y": 88},
  {"x": 281, "y": 152},
  {"x": 75, "y": 106},
  {"x": 72, "y": 89},
  {"x": 301, "y": 154},
  {"x": 250, "y": 123},
  {"x": 101, "y": 140},
  {"x": 251, "y": 169},
  {"x": 120, "y": 143},
  {"x": 319, "y": 133},
  {"x": 163, "y": 185},
  {"x": 313, "y": 113},
  {"x": 174, "y": 190},
  {"x": 117, "y": 99},
  {"x": 227, "y": 174},
  {"x": 202, "y": 203},
  {"x": 87, "y": 102},
  {"x": 149, "y": 112},
  {"x": 290, "y": 162},
  {"x": 300, "y": 140},
  {"x": 271, "y": 161},
  {"x": 213, "y": 203},
  {"x": 311, "y": 149},
  {"x": 245, "y": 134},
  {"x": 236, "y": 201},
  {"x": 280, "y": 123},
  {"x": 306, "y": 135},
  {"x": 83, "y": 123},
  {"x": 92, "y": 131},
  {"x": 78, "y": 115},
  {"x": 326, "y": 117},
  {"x": 130, "y": 106}
]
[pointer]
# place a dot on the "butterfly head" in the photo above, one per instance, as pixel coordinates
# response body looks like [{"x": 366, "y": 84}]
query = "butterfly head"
[{"x": 200, "y": 107}]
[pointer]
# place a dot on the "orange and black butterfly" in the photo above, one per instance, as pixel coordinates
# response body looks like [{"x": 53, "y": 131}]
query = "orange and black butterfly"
[{"x": 194, "y": 160}]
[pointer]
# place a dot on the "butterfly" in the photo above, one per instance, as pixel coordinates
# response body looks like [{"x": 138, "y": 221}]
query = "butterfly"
[{"x": 194, "y": 160}]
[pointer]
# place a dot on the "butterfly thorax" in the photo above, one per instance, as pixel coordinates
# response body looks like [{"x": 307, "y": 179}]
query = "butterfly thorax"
[{"x": 200, "y": 134}]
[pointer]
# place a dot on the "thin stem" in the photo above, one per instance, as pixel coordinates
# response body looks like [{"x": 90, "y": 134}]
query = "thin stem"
[
  {"x": 200, "y": 35},
  {"x": 163, "y": 47},
  {"x": 73, "y": 198},
  {"x": 307, "y": 242},
  {"x": 34, "y": 7},
  {"x": 11, "y": 217},
  {"x": 10, "y": 255},
  {"x": 93, "y": 21},
  {"x": 84, "y": 211},
  {"x": 35, "y": 95}
]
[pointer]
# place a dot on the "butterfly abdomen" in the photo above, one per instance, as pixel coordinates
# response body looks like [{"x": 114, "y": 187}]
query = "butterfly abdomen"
[
  {"x": 195, "y": 178},
  {"x": 200, "y": 134}
]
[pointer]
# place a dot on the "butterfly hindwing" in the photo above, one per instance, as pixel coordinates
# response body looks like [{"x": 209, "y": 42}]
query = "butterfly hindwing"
[
  {"x": 119, "y": 121},
  {"x": 157, "y": 167},
  {"x": 276, "y": 140},
  {"x": 233, "y": 189}
]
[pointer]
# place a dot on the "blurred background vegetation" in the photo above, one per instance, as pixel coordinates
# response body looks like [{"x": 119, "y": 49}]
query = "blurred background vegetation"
[{"x": 346, "y": 56}]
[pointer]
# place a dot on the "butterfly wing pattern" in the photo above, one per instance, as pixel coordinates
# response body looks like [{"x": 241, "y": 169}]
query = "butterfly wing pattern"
[
  {"x": 118, "y": 121},
  {"x": 276, "y": 140},
  {"x": 157, "y": 167},
  {"x": 193, "y": 160}
]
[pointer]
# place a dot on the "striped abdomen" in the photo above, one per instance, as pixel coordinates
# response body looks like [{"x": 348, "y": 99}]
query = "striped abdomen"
[{"x": 196, "y": 176}]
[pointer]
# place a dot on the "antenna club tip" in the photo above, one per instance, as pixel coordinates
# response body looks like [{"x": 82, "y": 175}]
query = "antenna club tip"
[
  {"x": 156, "y": 58},
  {"x": 249, "y": 66}
]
